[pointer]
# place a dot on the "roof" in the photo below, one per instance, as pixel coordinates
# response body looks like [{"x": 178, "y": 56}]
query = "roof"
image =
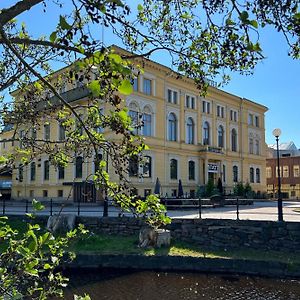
[{"x": 284, "y": 146}]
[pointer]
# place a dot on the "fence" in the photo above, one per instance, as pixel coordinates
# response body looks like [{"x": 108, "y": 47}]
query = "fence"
[{"x": 214, "y": 208}]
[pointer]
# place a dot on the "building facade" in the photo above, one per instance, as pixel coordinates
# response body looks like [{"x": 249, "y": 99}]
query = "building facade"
[
  {"x": 289, "y": 166},
  {"x": 191, "y": 138}
]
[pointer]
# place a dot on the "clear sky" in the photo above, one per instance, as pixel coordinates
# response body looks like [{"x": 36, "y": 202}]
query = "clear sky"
[{"x": 275, "y": 83}]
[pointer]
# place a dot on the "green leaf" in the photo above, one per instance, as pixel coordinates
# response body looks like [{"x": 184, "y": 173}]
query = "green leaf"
[
  {"x": 244, "y": 16},
  {"x": 140, "y": 7},
  {"x": 125, "y": 88},
  {"x": 37, "y": 205},
  {"x": 254, "y": 23},
  {"x": 94, "y": 87},
  {"x": 53, "y": 36},
  {"x": 63, "y": 23}
]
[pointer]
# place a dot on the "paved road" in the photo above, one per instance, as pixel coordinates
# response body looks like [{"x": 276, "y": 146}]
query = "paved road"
[{"x": 257, "y": 211}]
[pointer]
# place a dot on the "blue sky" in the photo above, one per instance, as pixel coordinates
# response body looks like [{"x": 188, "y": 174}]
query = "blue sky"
[{"x": 275, "y": 83}]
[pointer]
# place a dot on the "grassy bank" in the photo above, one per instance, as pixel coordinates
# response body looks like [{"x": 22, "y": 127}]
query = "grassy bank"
[{"x": 111, "y": 244}]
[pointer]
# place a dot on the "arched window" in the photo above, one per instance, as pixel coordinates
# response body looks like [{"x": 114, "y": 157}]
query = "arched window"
[
  {"x": 133, "y": 166},
  {"x": 172, "y": 127},
  {"x": 191, "y": 170},
  {"x": 61, "y": 172},
  {"x": 257, "y": 175},
  {"x": 134, "y": 115},
  {"x": 78, "y": 167},
  {"x": 173, "y": 169},
  {"x": 97, "y": 160},
  {"x": 233, "y": 140},
  {"x": 251, "y": 145},
  {"x": 147, "y": 122},
  {"x": 206, "y": 133},
  {"x": 147, "y": 167},
  {"x": 235, "y": 173},
  {"x": 190, "y": 130},
  {"x": 252, "y": 175},
  {"x": 221, "y": 136},
  {"x": 32, "y": 171}
]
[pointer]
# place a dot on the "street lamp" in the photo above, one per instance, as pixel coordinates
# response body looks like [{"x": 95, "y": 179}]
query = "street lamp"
[{"x": 277, "y": 132}]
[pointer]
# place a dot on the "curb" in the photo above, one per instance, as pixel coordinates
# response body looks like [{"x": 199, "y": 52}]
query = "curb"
[{"x": 186, "y": 263}]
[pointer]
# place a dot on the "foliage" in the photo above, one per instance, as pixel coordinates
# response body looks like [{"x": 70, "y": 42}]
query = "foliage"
[
  {"x": 29, "y": 259},
  {"x": 243, "y": 190},
  {"x": 220, "y": 186},
  {"x": 205, "y": 39},
  {"x": 210, "y": 188}
]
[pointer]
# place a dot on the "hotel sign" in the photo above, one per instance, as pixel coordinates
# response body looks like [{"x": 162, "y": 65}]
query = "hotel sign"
[{"x": 213, "y": 168}]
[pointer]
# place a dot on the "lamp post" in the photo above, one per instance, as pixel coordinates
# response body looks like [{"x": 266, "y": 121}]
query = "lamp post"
[{"x": 277, "y": 132}]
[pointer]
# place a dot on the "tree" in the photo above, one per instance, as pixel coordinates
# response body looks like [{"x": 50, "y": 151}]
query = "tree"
[{"x": 205, "y": 39}]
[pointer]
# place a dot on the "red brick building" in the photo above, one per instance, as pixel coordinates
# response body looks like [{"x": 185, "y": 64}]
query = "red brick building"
[{"x": 290, "y": 176}]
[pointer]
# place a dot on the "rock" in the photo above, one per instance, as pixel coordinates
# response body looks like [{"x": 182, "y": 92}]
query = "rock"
[
  {"x": 150, "y": 237},
  {"x": 61, "y": 223},
  {"x": 163, "y": 237}
]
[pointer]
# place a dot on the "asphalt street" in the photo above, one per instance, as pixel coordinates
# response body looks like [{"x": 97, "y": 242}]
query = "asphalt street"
[{"x": 257, "y": 211}]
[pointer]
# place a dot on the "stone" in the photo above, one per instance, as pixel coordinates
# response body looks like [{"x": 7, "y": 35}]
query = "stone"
[
  {"x": 61, "y": 223},
  {"x": 150, "y": 237},
  {"x": 163, "y": 238}
]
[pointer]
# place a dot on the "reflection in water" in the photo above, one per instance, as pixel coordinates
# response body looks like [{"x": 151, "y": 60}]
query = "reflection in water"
[{"x": 118, "y": 284}]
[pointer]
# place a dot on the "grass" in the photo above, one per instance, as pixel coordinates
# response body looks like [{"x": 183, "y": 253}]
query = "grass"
[{"x": 111, "y": 244}]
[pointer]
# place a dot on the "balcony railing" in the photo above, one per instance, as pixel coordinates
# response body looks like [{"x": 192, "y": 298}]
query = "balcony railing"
[
  {"x": 69, "y": 96},
  {"x": 211, "y": 149}
]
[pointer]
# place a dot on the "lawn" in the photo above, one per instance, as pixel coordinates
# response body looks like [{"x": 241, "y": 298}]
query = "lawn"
[{"x": 113, "y": 244}]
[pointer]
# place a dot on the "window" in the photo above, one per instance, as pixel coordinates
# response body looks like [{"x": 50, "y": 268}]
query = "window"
[
  {"x": 252, "y": 175},
  {"x": 78, "y": 125},
  {"x": 135, "y": 83},
  {"x": 78, "y": 167},
  {"x": 221, "y": 136},
  {"x": 224, "y": 173},
  {"x": 190, "y": 131},
  {"x": 61, "y": 132},
  {"x": 4, "y": 143},
  {"x": 31, "y": 193},
  {"x": 147, "y": 122},
  {"x": 235, "y": 173},
  {"x": 191, "y": 170},
  {"x": 206, "y": 107},
  {"x": 173, "y": 169},
  {"x": 251, "y": 151},
  {"x": 220, "y": 111},
  {"x": 296, "y": 171},
  {"x": 21, "y": 172},
  {"x": 22, "y": 136},
  {"x": 250, "y": 119},
  {"x": 269, "y": 172},
  {"x": 61, "y": 172},
  {"x": 47, "y": 132},
  {"x": 172, "y": 127},
  {"x": 206, "y": 133},
  {"x": 99, "y": 127},
  {"x": 285, "y": 172},
  {"x": 257, "y": 147},
  {"x": 257, "y": 175},
  {"x": 32, "y": 171},
  {"x": 134, "y": 115},
  {"x": 233, "y": 140},
  {"x": 190, "y": 101},
  {"x": 45, "y": 193},
  {"x": 280, "y": 170},
  {"x": 60, "y": 193},
  {"x": 147, "y": 167},
  {"x": 133, "y": 166},
  {"x": 147, "y": 86},
  {"x": 172, "y": 96},
  {"x": 46, "y": 169},
  {"x": 256, "y": 122},
  {"x": 233, "y": 115},
  {"x": 33, "y": 133},
  {"x": 97, "y": 161}
]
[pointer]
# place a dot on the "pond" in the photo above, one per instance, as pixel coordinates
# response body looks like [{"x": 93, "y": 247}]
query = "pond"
[{"x": 131, "y": 285}]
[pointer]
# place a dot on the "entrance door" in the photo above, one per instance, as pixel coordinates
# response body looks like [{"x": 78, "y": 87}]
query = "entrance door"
[{"x": 84, "y": 192}]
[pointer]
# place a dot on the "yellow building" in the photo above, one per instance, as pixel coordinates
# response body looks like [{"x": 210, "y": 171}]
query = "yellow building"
[{"x": 191, "y": 138}]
